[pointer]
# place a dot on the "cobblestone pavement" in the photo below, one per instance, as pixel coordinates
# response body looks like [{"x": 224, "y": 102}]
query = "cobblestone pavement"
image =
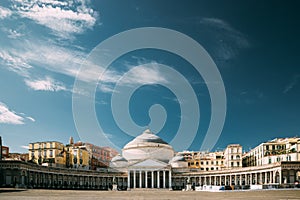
[{"x": 12, "y": 194}]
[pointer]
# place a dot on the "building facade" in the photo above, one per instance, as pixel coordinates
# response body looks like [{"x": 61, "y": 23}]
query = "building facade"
[
  {"x": 274, "y": 151},
  {"x": 205, "y": 161},
  {"x": 49, "y": 153},
  {"x": 149, "y": 162},
  {"x": 233, "y": 156}
]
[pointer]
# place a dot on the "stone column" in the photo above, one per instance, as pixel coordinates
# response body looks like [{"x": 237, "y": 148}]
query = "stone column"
[
  {"x": 280, "y": 177},
  {"x": 164, "y": 177},
  {"x": 271, "y": 177},
  {"x": 230, "y": 179},
  {"x": 235, "y": 179},
  {"x": 140, "y": 180},
  {"x": 170, "y": 179},
  {"x": 152, "y": 179},
  {"x": 260, "y": 178},
  {"x": 134, "y": 179},
  {"x": 146, "y": 179},
  {"x": 158, "y": 184},
  {"x": 256, "y": 181},
  {"x": 128, "y": 179}
]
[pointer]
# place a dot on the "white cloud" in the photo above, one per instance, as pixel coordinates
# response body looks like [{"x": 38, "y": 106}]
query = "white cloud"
[
  {"x": 31, "y": 119},
  {"x": 106, "y": 88},
  {"x": 63, "y": 18},
  {"x": 228, "y": 40},
  {"x": 146, "y": 75},
  {"x": 292, "y": 84},
  {"x": 24, "y": 147},
  {"x": 14, "y": 34},
  {"x": 47, "y": 84},
  {"x": 138, "y": 76},
  {"x": 4, "y": 12},
  {"x": 14, "y": 62},
  {"x": 8, "y": 116}
]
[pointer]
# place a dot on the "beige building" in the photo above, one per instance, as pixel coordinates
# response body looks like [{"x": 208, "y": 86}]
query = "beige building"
[
  {"x": 231, "y": 157},
  {"x": 50, "y": 153},
  {"x": 78, "y": 157},
  {"x": 205, "y": 161}
]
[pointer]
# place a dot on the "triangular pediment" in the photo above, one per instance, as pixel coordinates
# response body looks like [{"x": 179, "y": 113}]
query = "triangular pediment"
[{"x": 149, "y": 163}]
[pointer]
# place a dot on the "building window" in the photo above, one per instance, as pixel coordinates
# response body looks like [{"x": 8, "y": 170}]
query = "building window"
[
  {"x": 231, "y": 164},
  {"x": 197, "y": 163},
  {"x": 270, "y": 160},
  {"x": 201, "y": 163},
  {"x": 51, "y": 153},
  {"x": 207, "y": 162},
  {"x": 32, "y": 154},
  {"x": 217, "y": 163},
  {"x": 45, "y": 153},
  {"x": 238, "y": 164},
  {"x": 237, "y": 157},
  {"x": 51, "y": 145},
  {"x": 231, "y": 157},
  {"x": 212, "y": 168},
  {"x": 278, "y": 159},
  {"x": 207, "y": 169}
]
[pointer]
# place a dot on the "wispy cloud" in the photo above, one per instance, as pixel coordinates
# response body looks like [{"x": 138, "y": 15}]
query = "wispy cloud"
[
  {"x": 47, "y": 84},
  {"x": 292, "y": 84},
  {"x": 13, "y": 34},
  {"x": 8, "y": 116},
  {"x": 63, "y": 18},
  {"x": 5, "y": 12},
  {"x": 14, "y": 62},
  {"x": 138, "y": 75},
  {"x": 228, "y": 40},
  {"x": 24, "y": 147},
  {"x": 31, "y": 119},
  {"x": 251, "y": 97},
  {"x": 146, "y": 75}
]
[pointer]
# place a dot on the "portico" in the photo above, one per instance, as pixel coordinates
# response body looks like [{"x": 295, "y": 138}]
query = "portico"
[{"x": 149, "y": 173}]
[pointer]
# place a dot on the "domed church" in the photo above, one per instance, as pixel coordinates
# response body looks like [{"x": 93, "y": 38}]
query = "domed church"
[{"x": 148, "y": 160}]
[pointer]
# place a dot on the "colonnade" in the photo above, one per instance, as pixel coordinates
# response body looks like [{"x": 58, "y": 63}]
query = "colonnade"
[
  {"x": 149, "y": 179},
  {"x": 266, "y": 177}
]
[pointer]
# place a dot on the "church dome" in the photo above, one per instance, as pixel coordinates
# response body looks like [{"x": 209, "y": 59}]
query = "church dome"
[
  {"x": 147, "y": 146},
  {"x": 177, "y": 159},
  {"x": 178, "y": 162},
  {"x": 146, "y": 136},
  {"x": 118, "y": 158},
  {"x": 118, "y": 161}
]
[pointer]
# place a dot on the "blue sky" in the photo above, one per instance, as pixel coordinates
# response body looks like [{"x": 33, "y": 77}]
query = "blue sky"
[{"x": 254, "y": 44}]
